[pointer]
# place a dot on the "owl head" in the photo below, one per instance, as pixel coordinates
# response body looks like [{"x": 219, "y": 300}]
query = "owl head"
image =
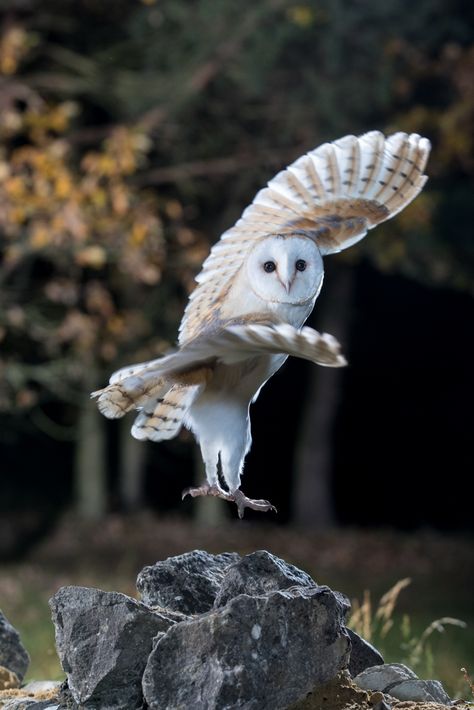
[{"x": 285, "y": 269}]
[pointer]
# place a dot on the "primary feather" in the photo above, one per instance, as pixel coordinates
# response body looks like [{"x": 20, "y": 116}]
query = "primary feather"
[{"x": 334, "y": 194}]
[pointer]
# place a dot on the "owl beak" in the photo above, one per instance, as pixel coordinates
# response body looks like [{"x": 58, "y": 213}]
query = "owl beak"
[{"x": 286, "y": 276}]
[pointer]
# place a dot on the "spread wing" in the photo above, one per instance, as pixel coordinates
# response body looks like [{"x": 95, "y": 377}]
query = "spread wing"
[
  {"x": 134, "y": 386},
  {"x": 333, "y": 194}
]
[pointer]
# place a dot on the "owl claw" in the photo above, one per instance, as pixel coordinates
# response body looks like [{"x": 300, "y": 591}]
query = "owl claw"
[
  {"x": 242, "y": 502},
  {"x": 206, "y": 490},
  {"x": 237, "y": 497}
]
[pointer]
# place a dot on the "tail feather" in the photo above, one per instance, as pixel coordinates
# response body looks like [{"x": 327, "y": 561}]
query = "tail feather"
[
  {"x": 162, "y": 418},
  {"x": 118, "y": 398}
]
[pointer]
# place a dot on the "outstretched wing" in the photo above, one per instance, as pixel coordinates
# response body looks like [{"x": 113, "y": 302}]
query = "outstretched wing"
[
  {"x": 135, "y": 386},
  {"x": 333, "y": 194}
]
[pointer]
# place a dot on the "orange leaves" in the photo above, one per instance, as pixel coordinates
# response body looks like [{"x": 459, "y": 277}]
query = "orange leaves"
[
  {"x": 80, "y": 242},
  {"x": 14, "y": 45},
  {"x": 122, "y": 154},
  {"x": 92, "y": 256},
  {"x": 87, "y": 207}
]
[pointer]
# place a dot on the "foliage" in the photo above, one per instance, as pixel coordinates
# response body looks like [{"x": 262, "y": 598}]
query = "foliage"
[
  {"x": 468, "y": 680},
  {"x": 376, "y": 625},
  {"x": 82, "y": 247}
]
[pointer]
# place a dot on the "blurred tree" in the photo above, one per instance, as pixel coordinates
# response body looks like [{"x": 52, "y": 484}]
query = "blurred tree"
[
  {"x": 82, "y": 250},
  {"x": 103, "y": 100}
]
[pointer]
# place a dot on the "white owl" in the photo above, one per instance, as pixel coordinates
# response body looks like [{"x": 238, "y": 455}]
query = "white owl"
[{"x": 255, "y": 291}]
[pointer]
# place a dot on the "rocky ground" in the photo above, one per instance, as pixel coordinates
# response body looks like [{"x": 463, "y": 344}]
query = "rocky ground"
[{"x": 212, "y": 632}]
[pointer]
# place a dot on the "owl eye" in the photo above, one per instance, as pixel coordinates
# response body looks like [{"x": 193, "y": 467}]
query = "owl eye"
[
  {"x": 269, "y": 266},
  {"x": 300, "y": 265}
]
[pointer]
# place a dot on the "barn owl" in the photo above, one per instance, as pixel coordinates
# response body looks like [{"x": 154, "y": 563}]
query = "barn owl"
[{"x": 256, "y": 289}]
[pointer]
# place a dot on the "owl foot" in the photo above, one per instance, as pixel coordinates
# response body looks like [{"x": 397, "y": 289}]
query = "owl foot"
[
  {"x": 237, "y": 497},
  {"x": 206, "y": 490},
  {"x": 242, "y": 502}
]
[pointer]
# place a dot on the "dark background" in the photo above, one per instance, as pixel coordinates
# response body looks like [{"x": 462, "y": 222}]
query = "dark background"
[{"x": 210, "y": 101}]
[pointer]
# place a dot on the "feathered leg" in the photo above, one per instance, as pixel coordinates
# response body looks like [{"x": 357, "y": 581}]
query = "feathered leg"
[
  {"x": 231, "y": 446},
  {"x": 232, "y": 461},
  {"x": 210, "y": 487}
]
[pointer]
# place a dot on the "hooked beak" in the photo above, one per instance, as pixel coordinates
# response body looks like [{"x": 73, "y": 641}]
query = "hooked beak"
[{"x": 286, "y": 275}]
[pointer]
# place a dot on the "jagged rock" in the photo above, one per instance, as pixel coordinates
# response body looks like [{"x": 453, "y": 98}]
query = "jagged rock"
[
  {"x": 430, "y": 691},
  {"x": 103, "y": 640},
  {"x": 13, "y": 655},
  {"x": 262, "y": 652},
  {"x": 402, "y": 683},
  {"x": 381, "y": 677},
  {"x": 363, "y": 654},
  {"x": 260, "y": 573},
  {"x": 187, "y": 583}
]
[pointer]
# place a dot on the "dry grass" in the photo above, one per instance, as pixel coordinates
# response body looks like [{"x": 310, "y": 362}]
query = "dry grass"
[{"x": 376, "y": 623}]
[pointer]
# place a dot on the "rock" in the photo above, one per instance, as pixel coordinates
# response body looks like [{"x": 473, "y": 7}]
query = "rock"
[
  {"x": 103, "y": 640},
  {"x": 430, "y": 691},
  {"x": 400, "y": 682},
  {"x": 262, "y": 652},
  {"x": 363, "y": 654},
  {"x": 381, "y": 677},
  {"x": 260, "y": 573},
  {"x": 187, "y": 583},
  {"x": 13, "y": 655}
]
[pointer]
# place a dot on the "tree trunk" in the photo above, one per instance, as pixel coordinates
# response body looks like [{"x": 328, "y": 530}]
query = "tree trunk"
[
  {"x": 313, "y": 501},
  {"x": 90, "y": 464},
  {"x": 132, "y": 459}
]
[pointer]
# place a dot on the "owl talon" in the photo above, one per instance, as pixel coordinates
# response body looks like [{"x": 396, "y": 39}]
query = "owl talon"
[
  {"x": 206, "y": 490},
  {"x": 237, "y": 497},
  {"x": 242, "y": 502}
]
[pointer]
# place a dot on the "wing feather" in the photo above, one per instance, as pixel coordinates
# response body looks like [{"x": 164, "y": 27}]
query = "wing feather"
[{"x": 334, "y": 194}]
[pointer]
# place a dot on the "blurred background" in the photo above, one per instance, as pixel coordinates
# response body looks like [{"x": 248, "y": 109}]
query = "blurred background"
[{"x": 132, "y": 134}]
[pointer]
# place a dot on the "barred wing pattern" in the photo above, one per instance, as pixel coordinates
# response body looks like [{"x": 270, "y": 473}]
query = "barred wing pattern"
[
  {"x": 333, "y": 194},
  {"x": 137, "y": 385}
]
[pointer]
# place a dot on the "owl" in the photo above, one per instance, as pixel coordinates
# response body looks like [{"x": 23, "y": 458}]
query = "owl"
[{"x": 255, "y": 291}]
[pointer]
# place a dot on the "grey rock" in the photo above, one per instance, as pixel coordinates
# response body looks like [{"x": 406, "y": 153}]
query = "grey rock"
[
  {"x": 103, "y": 640},
  {"x": 13, "y": 655},
  {"x": 420, "y": 690},
  {"x": 402, "y": 683},
  {"x": 260, "y": 573},
  {"x": 257, "y": 653},
  {"x": 382, "y": 677},
  {"x": 187, "y": 583},
  {"x": 363, "y": 654}
]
